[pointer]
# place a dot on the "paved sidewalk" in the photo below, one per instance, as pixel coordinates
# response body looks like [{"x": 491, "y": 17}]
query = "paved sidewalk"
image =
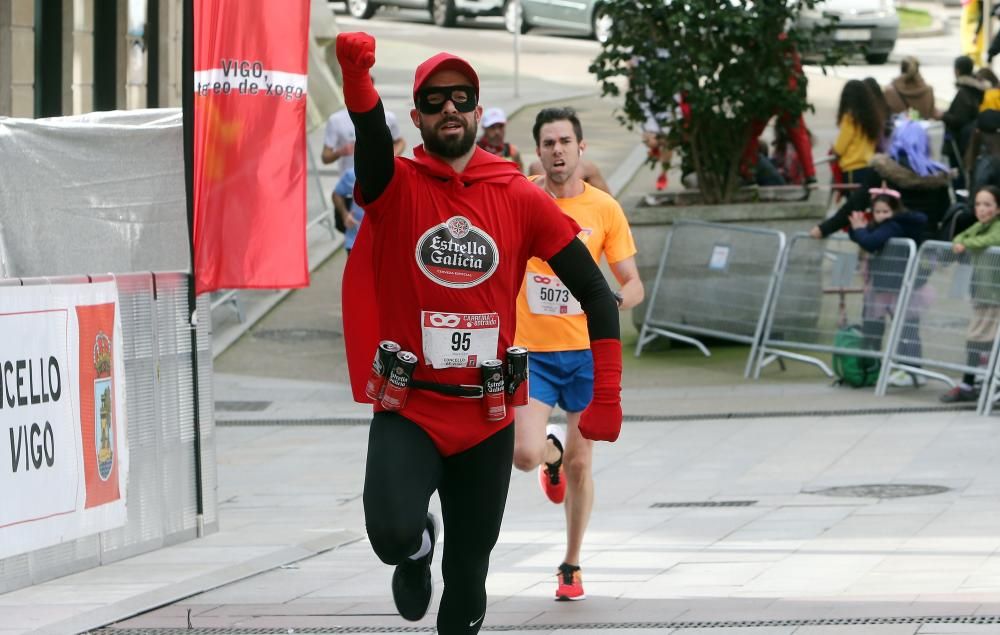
[{"x": 707, "y": 520}]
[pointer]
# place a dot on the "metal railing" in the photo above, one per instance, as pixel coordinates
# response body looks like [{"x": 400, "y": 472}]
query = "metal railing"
[
  {"x": 714, "y": 280},
  {"x": 826, "y": 285},
  {"x": 955, "y": 301}
]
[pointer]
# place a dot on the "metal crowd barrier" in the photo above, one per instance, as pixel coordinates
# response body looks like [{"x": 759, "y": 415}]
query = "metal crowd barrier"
[
  {"x": 162, "y": 486},
  {"x": 824, "y": 285},
  {"x": 950, "y": 296},
  {"x": 714, "y": 280}
]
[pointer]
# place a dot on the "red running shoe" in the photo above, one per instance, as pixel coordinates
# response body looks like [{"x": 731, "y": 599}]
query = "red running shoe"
[
  {"x": 570, "y": 584},
  {"x": 550, "y": 475},
  {"x": 661, "y": 181}
]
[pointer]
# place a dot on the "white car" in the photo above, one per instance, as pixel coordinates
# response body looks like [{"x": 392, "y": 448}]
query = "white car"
[
  {"x": 443, "y": 12},
  {"x": 871, "y": 25}
]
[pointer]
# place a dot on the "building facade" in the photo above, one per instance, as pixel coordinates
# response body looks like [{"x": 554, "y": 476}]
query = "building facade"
[{"x": 68, "y": 57}]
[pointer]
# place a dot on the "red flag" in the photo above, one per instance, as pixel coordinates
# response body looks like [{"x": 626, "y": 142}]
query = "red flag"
[
  {"x": 98, "y": 426},
  {"x": 250, "y": 70}
]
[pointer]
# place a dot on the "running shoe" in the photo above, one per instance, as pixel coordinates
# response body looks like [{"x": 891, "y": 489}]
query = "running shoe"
[
  {"x": 570, "y": 584},
  {"x": 550, "y": 475},
  {"x": 412, "y": 584},
  {"x": 960, "y": 393},
  {"x": 661, "y": 181},
  {"x": 902, "y": 379}
]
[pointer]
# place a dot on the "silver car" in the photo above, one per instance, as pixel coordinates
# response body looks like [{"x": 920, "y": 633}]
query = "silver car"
[
  {"x": 872, "y": 25},
  {"x": 579, "y": 16},
  {"x": 443, "y": 12}
]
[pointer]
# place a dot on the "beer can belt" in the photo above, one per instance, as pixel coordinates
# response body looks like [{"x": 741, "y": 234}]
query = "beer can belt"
[{"x": 469, "y": 391}]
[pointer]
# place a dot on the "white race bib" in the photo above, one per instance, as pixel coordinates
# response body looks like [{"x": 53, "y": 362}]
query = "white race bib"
[
  {"x": 547, "y": 295},
  {"x": 459, "y": 340}
]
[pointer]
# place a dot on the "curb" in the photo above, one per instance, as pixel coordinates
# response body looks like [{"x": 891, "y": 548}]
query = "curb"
[{"x": 130, "y": 607}]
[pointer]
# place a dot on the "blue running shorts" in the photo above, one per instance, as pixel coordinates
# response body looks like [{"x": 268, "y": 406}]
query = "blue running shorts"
[{"x": 565, "y": 378}]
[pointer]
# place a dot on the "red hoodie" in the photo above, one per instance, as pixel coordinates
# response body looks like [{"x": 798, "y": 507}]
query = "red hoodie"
[{"x": 441, "y": 253}]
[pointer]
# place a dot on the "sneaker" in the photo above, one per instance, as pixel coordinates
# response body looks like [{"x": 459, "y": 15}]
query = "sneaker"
[
  {"x": 903, "y": 379},
  {"x": 810, "y": 183},
  {"x": 412, "y": 585},
  {"x": 661, "y": 181},
  {"x": 960, "y": 393},
  {"x": 570, "y": 586},
  {"x": 550, "y": 475}
]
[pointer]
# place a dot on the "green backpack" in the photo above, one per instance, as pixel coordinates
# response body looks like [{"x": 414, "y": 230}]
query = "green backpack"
[{"x": 854, "y": 370}]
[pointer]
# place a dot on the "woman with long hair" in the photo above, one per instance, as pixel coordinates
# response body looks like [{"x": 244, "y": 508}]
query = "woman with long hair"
[
  {"x": 906, "y": 167},
  {"x": 861, "y": 123}
]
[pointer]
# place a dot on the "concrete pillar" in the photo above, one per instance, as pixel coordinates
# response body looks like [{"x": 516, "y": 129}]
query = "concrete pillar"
[{"x": 17, "y": 58}]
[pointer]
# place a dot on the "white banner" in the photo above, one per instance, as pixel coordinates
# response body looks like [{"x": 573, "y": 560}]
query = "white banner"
[{"x": 64, "y": 456}]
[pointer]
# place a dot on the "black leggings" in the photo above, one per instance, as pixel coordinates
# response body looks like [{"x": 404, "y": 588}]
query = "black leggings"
[{"x": 404, "y": 468}]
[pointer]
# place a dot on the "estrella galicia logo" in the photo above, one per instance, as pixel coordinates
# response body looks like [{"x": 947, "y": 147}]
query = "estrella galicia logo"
[{"x": 457, "y": 254}]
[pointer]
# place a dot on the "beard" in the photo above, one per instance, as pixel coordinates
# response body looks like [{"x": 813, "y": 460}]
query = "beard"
[{"x": 452, "y": 147}]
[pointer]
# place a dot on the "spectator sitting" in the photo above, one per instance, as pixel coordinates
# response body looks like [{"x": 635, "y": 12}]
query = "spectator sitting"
[
  {"x": 909, "y": 91},
  {"x": 766, "y": 173},
  {"x": 786, "y": 159},
  {"x": 907, "y": 168}
]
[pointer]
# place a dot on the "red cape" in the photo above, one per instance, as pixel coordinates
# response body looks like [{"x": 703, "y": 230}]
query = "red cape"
[{"x": 358, "y": 302}]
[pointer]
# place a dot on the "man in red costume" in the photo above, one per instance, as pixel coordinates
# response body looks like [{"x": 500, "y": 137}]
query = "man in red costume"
[{"x": 437, "y": 267}]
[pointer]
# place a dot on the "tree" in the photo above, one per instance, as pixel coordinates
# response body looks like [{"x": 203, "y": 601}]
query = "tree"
[{"x": 718, "y": 65}]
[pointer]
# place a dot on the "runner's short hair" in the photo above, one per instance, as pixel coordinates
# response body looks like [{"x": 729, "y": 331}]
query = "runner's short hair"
[{"x": 548, "y": 115}]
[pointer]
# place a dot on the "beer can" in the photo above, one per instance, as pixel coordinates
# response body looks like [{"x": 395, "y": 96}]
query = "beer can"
[
  {"x": 397, "y": 385},
  {"x": 384, "y": 357},
  {"x": 494, "y": 406},
  {"x": 517, "y": 376}
]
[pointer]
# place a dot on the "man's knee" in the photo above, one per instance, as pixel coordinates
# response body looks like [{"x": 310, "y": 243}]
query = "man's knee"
[
  {"x": 528, "y": 455},
  {"x": 577, "y": 466},
  {"x": 392, "y": 542}
]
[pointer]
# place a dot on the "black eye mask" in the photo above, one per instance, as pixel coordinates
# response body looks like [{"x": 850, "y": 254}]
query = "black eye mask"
[{"x": 431, "y": 100}]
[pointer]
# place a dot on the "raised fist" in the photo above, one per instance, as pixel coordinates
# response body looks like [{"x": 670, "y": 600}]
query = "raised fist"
[{"x": 355, "y": 51}]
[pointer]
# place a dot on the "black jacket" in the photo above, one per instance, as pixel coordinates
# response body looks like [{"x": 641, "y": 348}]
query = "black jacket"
[{"x": 965, "y": 106}]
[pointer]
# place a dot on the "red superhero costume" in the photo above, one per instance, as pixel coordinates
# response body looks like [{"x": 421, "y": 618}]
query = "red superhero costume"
[{"x": 438, "y": 249}]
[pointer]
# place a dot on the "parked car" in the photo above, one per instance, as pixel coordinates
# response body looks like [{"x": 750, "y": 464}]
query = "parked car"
[
  {"x": 871, "y": 26},
  {"x": 579, "y": 16},
  {"x": 443, "y": 12}
]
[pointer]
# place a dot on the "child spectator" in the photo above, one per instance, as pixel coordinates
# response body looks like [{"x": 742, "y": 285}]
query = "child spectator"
[
  {"x": 345, "y": 207},
  {"x": 984, "y": 289},
  {"x": 884, "y": 274}
]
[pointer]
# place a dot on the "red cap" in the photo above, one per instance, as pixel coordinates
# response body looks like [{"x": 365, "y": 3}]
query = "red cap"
[{"x": 443, "y": 62}]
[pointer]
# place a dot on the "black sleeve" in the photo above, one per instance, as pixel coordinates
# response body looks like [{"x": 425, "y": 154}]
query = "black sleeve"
[
  {"x": 576, "y": 268},
  {"x": 374, "y": 162},
  {"x": 858, "y": 200}
]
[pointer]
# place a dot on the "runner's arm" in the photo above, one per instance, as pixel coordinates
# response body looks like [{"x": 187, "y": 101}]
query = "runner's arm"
[
  {"x": 373, "y": 158},
  {"x": 627, "y": 274},
  {"x": 602, "y": 420},
  {"x": 577, "y": 270}
]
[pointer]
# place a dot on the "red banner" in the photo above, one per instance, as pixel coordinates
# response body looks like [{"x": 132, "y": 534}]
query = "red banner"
[
  {"x": 250, "y": 72},
  {"x": 98, "y": 427}
]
